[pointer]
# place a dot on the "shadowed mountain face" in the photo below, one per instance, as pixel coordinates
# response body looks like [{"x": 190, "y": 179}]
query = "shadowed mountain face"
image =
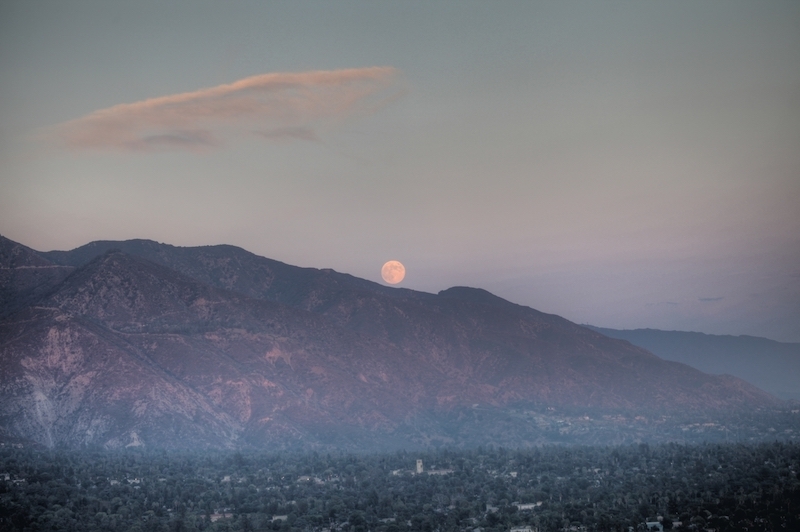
[
  {"x": 145, "y": 343},
  {"x": 25, "y": 276}
]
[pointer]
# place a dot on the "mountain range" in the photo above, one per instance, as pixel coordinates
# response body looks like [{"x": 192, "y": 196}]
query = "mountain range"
[
  {"x": 139, "y": 343},
  {"x": 772, "y": 366}
]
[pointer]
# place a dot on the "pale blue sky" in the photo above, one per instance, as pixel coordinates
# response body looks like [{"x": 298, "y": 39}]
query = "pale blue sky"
[{"x": 625, "y": 164}]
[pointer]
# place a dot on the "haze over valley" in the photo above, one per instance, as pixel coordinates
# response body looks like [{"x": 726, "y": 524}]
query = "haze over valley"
[
  {"x": 116, "y": 352},
  {"x": 451, "y": 266}
]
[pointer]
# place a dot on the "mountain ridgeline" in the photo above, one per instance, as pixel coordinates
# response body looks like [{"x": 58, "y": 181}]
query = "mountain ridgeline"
[
  {"x": 770, "y": 365},
  {"x": 138, "y": 343}
]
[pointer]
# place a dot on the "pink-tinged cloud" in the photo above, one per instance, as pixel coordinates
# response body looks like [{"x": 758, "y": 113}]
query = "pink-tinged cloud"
[{"x": 277, "y": 106}]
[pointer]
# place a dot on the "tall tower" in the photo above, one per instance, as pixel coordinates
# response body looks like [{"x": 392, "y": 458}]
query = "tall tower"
[{"x": 419, "y": 466}]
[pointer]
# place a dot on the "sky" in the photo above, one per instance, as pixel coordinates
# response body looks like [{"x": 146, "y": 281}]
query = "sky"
[{"x": 622, "y": 164}]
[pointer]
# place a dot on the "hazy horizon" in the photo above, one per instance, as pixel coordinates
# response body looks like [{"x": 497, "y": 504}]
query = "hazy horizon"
[{"x": 624, "y": 164}]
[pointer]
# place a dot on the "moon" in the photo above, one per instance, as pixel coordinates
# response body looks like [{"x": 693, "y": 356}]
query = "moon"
[{"x": 393, "y": 272}]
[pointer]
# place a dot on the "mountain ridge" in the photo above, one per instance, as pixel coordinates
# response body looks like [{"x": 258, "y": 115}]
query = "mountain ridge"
[
  {"x": 257, "y": 352},
  {"x": 771, "y": 365}
]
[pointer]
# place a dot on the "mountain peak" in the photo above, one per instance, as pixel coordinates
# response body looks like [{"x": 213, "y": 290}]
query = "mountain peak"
[
  {"x": 14, "y": 255},
  {"x": 25, "y": 275},
  {"x": 474, "y": 295}
]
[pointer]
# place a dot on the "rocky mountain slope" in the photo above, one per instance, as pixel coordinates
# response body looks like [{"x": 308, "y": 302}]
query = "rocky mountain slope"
[{"x": 131, "y": 343}]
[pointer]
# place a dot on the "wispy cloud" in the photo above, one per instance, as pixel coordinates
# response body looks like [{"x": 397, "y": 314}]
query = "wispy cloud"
[
  {"x": 278, "y": 107},
  {"x": 710, "y": 299}
]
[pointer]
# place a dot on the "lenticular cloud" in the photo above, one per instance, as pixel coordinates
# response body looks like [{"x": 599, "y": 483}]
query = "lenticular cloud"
[{"x": 276, "y": 106}]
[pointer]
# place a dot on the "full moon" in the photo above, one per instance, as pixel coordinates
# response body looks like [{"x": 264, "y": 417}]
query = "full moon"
[{"x": 393, "y": 272}]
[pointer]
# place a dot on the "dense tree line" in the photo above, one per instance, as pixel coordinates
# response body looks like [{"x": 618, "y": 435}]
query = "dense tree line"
[{"x": 684, "y": 487}]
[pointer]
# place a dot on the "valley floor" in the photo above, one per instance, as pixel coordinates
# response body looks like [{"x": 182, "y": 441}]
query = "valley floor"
[{"x": 685, "y": 487}]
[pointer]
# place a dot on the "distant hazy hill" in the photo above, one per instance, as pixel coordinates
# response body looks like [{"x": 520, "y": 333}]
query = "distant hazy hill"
[
  {"x": 136, "y": 342},
  {"x": 770, "y": 365}
]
